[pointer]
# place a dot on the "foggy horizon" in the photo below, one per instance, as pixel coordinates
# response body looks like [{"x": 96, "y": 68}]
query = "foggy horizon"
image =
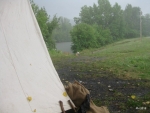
[{"x": 71, "y": 9}]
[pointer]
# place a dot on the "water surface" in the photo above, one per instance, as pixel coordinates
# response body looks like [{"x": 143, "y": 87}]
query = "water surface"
[{"x": 64, "y": 47}]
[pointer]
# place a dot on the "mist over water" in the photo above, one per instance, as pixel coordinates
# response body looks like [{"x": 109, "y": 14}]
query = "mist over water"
[{"x": 64, "y": 47}]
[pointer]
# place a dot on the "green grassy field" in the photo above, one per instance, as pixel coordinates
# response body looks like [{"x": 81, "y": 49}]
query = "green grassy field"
[
  {"x": 126, "y": 61},
  {"x": 127, "y": 58}
]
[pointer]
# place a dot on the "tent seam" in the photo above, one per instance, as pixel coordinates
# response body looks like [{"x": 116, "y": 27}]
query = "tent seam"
[{"x": 13, "y": 64}]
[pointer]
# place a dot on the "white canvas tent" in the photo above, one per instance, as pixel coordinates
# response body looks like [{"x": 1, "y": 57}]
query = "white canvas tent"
[{"x": 26, "y": 69}]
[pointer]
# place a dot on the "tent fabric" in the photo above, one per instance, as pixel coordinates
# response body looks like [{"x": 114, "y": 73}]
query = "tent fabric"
[{"x": 26, "y": 69}]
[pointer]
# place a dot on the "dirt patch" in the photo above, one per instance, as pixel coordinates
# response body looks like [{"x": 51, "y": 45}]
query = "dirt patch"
[{"x": 119, "y": 95}]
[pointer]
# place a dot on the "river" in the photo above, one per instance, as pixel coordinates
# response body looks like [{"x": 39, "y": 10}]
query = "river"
[{"x": 64, "y": 47}]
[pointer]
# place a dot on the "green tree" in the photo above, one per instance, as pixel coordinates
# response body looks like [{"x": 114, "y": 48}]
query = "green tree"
[
  {"x": 110, "y": 23},
  {"x": 103, "y": 36},
  {"x": 43, "y": 19},
  {"x": 45, "y": 24},
  {"x": 104, "y": 13},
  {"x": 83, "y": 37},
  {"x": 86, "y": 15},
  {"x": 146, "y": 25},
  {"x": 51, "y": 27},
  {"x": 117, "y": 24},
  {"x": 62, "y": 32},
  {"x": 98, "y": 14},
  {"x": 132, "y": 21}
]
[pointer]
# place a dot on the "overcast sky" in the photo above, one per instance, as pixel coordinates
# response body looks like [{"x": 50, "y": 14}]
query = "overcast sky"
[{"x": 71, "y": 8}]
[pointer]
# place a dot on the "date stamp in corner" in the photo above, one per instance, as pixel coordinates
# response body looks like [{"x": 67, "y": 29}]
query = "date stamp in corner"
[{"x": 141, "y": 108}]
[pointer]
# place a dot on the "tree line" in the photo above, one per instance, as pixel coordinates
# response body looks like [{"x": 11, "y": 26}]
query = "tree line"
[
  {"x": 55, "y": 29},
  {"x": 102, "y": 24},
  {"x": 96, "y": 25},
  {"x": 62, "y": 32}
]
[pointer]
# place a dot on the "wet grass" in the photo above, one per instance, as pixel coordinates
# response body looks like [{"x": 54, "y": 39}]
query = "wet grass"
[
  {"x": 127, "y": 58},
  {"x": 126, "y": 61}
]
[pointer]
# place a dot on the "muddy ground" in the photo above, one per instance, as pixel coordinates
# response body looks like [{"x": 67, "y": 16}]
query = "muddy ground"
[{"x": 120, "y": 95}]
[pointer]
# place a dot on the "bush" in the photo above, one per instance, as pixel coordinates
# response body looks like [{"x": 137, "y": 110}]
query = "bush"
[{"x": 83, "y": 37}]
